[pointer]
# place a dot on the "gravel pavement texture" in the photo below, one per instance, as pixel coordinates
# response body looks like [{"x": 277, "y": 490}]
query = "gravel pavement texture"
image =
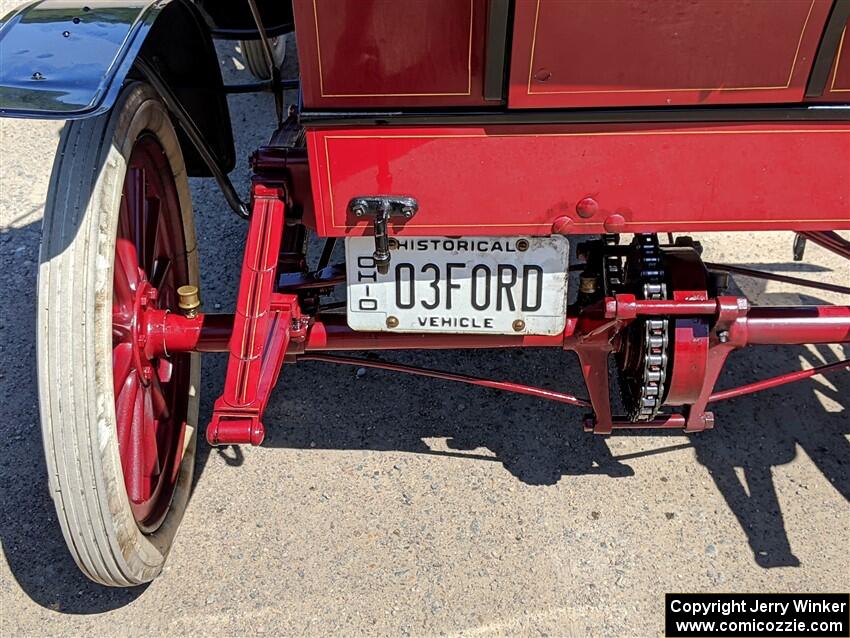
[{"x": 392, "y": 505}]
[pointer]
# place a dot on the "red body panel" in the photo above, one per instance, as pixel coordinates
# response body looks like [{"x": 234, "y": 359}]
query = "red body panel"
[
  {"x": 381, "y": 53},
  {"x": 511, "y": 180},
  {"x": 586, "y": 53}
]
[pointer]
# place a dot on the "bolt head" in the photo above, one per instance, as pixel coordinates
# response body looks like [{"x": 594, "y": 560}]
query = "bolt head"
[
  {"x": 518, "y": 325},
  {"x": 407, "y": 211},
  {"x": 522, "y": 245},
  {"x": 392, "y": 322},
  {"x": 359, "y": 210}
]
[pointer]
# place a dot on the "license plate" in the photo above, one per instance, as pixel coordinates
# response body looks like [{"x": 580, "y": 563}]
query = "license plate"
[{"x": 483, "y": 285}]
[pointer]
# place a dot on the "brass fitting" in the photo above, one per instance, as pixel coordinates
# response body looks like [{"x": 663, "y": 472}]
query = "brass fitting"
[
  {"x": 189, "y": 300},
  {"x": 588, "y": 284}
]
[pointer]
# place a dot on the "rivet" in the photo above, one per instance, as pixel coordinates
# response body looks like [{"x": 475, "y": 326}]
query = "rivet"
[
  {"x": 518, "y": 325},
  {"x": 76, "y": 21},
  {"x": 37, "y": 76},
  {"x": 522, "y": 245},
  {"x": 392, "y": 322},
  {"x": 66, "y": 34},
  {"x": 615, "y": 223},
  {"x": 542, "y": 75},
  {"x": 587, "y": 207},
  {"x": 561, "y": 225}
]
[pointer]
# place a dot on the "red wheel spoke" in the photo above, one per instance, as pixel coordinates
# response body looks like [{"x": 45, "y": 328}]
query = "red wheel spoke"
[
  {"x": 137, "y": 205},
  {"x": 149, "y": 439},
  {"x": 133, "y": 460},
  {"x": 159, "y": 271},
  {"x": 151, "y": 230},
  {"x": 122, "y": 364},
  {"x": 125, "y": 406},
  {"x": 158, "y": 400},
  {"x": 126, "y": 266}
]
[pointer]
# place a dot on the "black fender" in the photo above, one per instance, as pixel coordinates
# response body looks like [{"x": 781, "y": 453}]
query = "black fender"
[{"x": 68, "y": 60}]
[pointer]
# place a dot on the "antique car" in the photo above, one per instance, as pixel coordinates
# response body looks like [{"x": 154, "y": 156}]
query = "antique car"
[{"x": 472, "y": 154}]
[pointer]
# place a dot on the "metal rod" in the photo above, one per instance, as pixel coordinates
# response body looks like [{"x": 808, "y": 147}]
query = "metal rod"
[
  {"x": 274, "y": 72},
  {"x": 788, "y": 279},
  {"x": 830, "y": 240},
  {"x": 263, "y": 86},
  {"x": 778, "y": 380},
  {"x": 195, "y": 136},
  {"x": 327, "y": 253},
  {"x": 507, "y": 386}
]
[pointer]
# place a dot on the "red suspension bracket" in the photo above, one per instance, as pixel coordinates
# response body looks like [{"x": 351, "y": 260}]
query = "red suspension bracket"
[{"x": 264, "y": 324}]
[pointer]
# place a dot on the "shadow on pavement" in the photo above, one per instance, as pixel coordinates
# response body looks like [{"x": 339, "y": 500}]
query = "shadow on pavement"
[{"x": 29, "y": 532}]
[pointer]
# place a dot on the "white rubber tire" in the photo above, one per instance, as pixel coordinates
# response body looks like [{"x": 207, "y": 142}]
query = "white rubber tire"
[
  {"x": 255, "y": 58},
  {"x": 75, "y": 342}
]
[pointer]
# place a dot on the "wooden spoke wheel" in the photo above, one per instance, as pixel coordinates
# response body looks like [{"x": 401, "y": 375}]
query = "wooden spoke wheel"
[{"x": 118, "y": 418}]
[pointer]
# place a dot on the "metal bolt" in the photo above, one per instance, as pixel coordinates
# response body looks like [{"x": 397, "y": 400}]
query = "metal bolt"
[
  {"x": 37, "y": 76},
  {"x": 359, "y": 210},
  {"x": 392, "y": 322},
  {"x": 393, "y": 244},
  {"x": 723, "y": 336},
  {"x": 407, "y": 211},
  {"x": 66, "y": 34},
  {"x": 518, "y": 325},
  {"x": 522, "y": 245}
]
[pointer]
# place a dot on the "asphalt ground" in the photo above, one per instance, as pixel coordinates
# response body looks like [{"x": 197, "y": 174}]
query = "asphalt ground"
[{"x": 383, "y": 504}]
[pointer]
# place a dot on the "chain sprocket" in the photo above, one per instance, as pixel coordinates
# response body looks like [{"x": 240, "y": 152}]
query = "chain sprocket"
[{"x": 643, "y": 357}]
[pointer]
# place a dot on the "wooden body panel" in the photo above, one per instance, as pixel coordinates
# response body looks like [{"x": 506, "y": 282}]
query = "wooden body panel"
[
  {"x": 587, "y": 53},
  {"x": 512, "y": 180},
  {"x": 380, "y": 53}
]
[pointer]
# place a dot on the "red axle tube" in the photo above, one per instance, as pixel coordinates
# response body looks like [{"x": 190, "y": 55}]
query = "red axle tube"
[{"x": 765, "y": 326}]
